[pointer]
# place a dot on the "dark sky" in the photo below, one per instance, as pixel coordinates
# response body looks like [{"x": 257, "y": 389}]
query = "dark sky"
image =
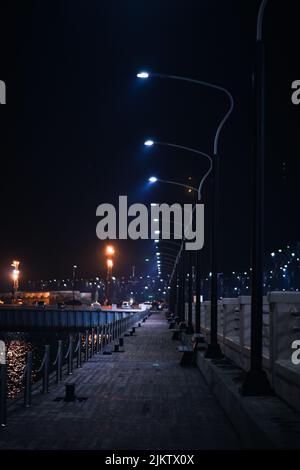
[{"x": 76, "y": 118}]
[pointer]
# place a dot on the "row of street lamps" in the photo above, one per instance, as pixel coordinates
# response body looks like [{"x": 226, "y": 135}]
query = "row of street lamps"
[{"x": 256, "y": 382}]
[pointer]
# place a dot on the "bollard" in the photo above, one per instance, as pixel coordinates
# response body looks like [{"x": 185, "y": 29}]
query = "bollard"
[
  {"x": 27, "y": 389},
  {"x": 139, "y": 325},
  {"x": 45, "y": 387},
  {"x": 144, "y": 319},
  {"x": 121, "y": 342},
  {"x": 86, "y": 345},
  {"x": 70, "y": 393},
  {"x": 116, "y": 348},
  {"x": 3, "y": 386},
  {"x": 70, "y": 355},
  {"x": 79, "y": 362},
  {"x": 97, "y": 337}
]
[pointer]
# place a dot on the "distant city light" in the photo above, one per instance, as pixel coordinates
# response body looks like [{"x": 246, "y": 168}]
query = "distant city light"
[{"x": 149, "y": 143}]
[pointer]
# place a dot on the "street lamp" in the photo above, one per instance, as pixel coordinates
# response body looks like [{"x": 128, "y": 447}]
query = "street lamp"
[
  {"x": 142, "y": 75},
  {"x": 15, "y": 278},
  {"x": 213, "y": 350},
  {"x": 153, "y": 179},
  {"x": 109, "y": 252},
  {"x": 151, "y": 143},
  {"x": 256, "y": 381},
  {"x": 73, "y": 283}
]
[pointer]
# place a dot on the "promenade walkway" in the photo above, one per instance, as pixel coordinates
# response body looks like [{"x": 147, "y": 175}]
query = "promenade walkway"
[{"x": 139, "y": 399}]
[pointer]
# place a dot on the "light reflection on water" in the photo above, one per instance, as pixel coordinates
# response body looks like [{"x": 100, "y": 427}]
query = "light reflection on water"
[
  {"x": 17, "y": 346},
  {"x": 16, "y": 360}
]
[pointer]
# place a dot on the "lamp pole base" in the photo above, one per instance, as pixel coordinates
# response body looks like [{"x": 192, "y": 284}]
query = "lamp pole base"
[{"x": 256, "y": 384}]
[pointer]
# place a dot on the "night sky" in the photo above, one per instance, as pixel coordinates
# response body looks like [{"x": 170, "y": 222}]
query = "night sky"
[{"x": 76, "y": 117}]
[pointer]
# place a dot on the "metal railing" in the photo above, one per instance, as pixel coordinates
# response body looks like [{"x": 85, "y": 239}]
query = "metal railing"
[{"x": 83, "y": 348}]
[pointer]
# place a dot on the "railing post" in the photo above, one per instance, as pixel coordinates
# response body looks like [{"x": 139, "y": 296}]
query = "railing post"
[
  {"x": 45, "y": 388},
  {"x": 79, "y": 350},
  {"x": 100, "y": 338},
  {"x": 59, "y": 361},
  {"x": 27, "y": 390},
  {"x": 86, "y": 352},
  {"x": 3, "y": 387},
  {"x": 103, "y": 337},
  {"x": 70, "y": 357},
  {"x": 92, "y": 342},
  {"x": 109, "y": 333},
  {"x": 97, "y": 344}
]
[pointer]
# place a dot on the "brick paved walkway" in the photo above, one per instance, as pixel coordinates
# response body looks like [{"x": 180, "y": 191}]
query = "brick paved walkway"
[{"x": 140, "y": 399}]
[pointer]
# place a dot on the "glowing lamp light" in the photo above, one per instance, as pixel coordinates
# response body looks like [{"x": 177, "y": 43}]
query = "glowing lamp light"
[
  {"x": 149, "y": 143},
  {"x": 156, "y": 241},
  {"x": 157, "y": 232},
  {"x": 142, "y": 75},
  {"x": 152, "y": 179},
  {"x": 109, "y": 263},
  {"x": 15, "y": 274},
  {"x": 110, "y": 250}
]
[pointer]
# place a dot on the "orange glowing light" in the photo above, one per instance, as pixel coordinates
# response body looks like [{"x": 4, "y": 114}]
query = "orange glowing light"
[
  {"x": 110, "y": 250},
  {"x": 109, "y": 263}
]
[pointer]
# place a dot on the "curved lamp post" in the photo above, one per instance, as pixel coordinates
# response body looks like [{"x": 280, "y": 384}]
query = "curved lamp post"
[
  {"x": 256, "y": 382},
  {"x": 150, "y": 143},
  {"x": 154, "y": 179},
  {"x": 213, "y": 350}
]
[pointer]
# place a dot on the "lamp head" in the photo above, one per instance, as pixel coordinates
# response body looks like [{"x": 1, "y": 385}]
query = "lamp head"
[
  {"x": 142, "y": 75},
  {"x": 152, "y": 179}
]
